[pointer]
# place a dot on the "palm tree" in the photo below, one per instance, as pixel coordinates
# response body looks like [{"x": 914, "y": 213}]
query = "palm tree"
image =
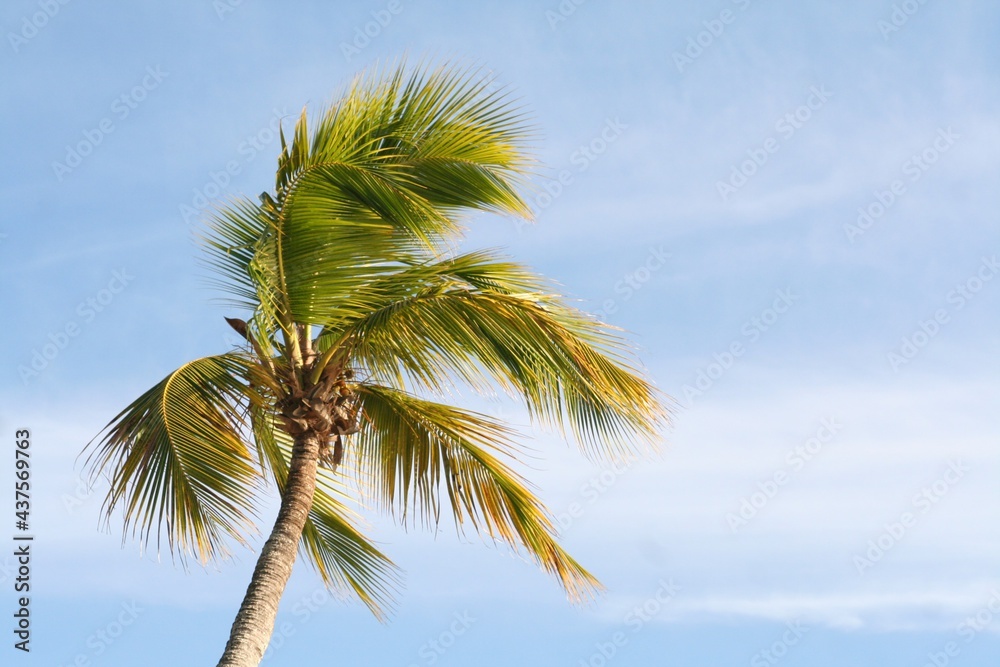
[{"x": 359, "y": 313}]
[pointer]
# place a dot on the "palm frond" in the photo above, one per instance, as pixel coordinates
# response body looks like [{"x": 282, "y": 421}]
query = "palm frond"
[
  {"x": 376, "y": 186},
  {"x": 176, "y": 460},
  {"x": 487, "y": 321},
  {"x": 417, "y": 449},
  {"x": 232, "y": 242}
]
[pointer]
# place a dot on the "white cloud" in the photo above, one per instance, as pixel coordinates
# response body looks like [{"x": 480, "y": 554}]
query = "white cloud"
[{"x": 912, "y": 611}]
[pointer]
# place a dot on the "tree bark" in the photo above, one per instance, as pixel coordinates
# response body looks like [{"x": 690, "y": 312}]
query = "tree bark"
[{"x": 254, "y": 624}]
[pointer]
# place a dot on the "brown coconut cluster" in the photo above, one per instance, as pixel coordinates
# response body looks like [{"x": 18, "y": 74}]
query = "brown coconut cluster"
[{"x": 329, "y": 408}]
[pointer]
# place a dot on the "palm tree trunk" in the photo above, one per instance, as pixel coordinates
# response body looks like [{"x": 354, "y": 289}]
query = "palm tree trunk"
[{"x": 254, "y": 622}]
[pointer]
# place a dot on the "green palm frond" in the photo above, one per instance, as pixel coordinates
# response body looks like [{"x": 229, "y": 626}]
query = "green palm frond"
[
  {"x": 177, "y": 462},
  {"x": 485, "y": 320},
  {"x": 481, "y": 269},
  {"x": 376, "y": 187},
  {"x": 232, "y": 244},
  {"x": 415, "y": 449},
  {"x": 346, "y": 559},
  {"x": 449, "y": 123}
]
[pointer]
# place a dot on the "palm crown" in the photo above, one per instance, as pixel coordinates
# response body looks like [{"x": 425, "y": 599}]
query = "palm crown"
[{"x": 359, "y": 314}]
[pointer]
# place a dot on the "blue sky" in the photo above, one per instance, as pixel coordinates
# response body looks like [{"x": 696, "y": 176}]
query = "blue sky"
[{"x": 790, "y": 206}]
